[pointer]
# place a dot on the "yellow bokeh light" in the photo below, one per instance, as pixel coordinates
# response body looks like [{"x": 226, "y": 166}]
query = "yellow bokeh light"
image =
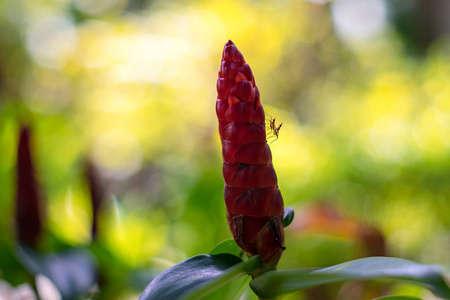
[
  {"x": 131, "y": 236},
  {"x": 70, "y": 217}
]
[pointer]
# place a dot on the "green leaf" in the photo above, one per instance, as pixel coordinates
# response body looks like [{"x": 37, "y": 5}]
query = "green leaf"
[
  {"x": 231, "y": 274},
  {"x": 73, "y": 272},
  {"x": 275, "y": 283},
  {"x": 227, "y": 246},
  {"x": 198, "y": 276},
  {"x": 397, "y": 298},
  {"x": 231, "y": 290},
  {"x": 288, "y": 216}
]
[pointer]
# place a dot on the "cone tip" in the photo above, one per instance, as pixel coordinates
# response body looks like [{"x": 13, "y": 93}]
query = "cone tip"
[{"x": 229, "y": 43}]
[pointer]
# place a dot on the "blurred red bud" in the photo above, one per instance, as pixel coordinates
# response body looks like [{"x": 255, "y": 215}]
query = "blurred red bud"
[
  {"x": 97, "y": 191},
  {"x": 28, "y": 212}
]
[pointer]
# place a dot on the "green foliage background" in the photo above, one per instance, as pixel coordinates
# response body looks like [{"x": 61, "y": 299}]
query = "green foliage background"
[{"x": 131, "y": 85}]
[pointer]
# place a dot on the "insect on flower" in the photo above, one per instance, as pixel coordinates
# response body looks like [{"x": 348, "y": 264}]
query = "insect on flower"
[
  {"x": 275, "y": 130},
  {"x": 271, "y": 123}
]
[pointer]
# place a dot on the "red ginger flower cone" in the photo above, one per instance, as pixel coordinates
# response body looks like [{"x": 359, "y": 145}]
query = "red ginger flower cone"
[{"x": 253, "y": 200}]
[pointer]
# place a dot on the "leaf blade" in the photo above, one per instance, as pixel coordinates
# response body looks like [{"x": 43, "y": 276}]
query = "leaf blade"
[
  {"x": 227, "y": 246},
  {"x": 286, "y": 281},
  {"x": 234, "y": 272},
  {"x": 397, "y": 298},
  {"x": 177, "y": 281}
]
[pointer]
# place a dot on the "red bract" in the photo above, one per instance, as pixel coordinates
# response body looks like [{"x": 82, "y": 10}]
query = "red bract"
[
  {"x": 253, "y": 200},
  {"x": 28, "y": 210}
]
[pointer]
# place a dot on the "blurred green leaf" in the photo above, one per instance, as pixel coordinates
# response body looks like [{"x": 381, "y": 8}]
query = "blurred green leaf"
[
  {"x": 397, "y": 298},
  {"x": 73, "y": 272},
  {"x": 227, "y": 246},
  {"x": 275, "y": 283}
]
